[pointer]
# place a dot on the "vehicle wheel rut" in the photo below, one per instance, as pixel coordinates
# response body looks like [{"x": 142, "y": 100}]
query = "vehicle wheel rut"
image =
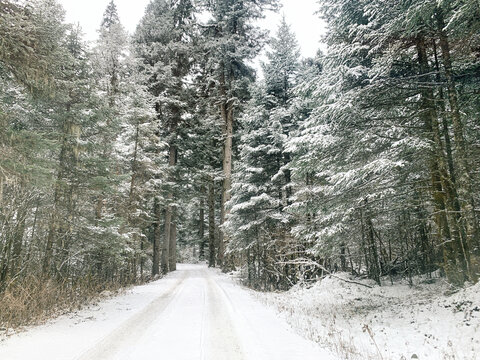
[{"x": 132, "y": 329}]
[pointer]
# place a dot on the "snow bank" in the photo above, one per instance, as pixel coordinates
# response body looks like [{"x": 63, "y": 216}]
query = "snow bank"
[{"x": 388, "y": 322}]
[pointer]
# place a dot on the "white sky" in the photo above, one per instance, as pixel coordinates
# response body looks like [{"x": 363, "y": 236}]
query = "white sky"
[{"x": 298, "y": 13}]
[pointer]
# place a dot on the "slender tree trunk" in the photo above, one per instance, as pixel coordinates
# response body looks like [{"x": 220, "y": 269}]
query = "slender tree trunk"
[
  {"x": 157, "y": 213},
  {"x": 227, "y": 184},
  {"x": 363, "y": 246},
  {"x": 18, "y": 240},
  {"x": 133, "y": 179},
  {"x": 226, "y": 110},
  {"x": 168, "y": 252},
  {"x": 343, "y": 259},
  {"x": 166, "y": 239},
  {"x": 2, "y": 181},
  {"x": 172, "y": 253},
  {"x": 375, "y": 269},
  {"x": 6, "y": 255},
  {"x": 142, "y": 258},
  {"x": 211, "y": 223},
  {"x": 201, "y": 225},
  {"x": 26, "y": 260}
]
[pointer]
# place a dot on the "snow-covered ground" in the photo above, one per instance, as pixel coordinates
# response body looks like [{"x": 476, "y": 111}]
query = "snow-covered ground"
[
  {"x": 396, "y": 322},
  {"x": 193, "y": 313}
]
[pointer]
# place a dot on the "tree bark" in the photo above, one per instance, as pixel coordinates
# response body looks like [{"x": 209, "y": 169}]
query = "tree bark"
[
  {"x": 172, "y": 253},
  {"x": 211, "y": 223},
  {"x": 375, "y": 270},
  {"x": 166, "y": 239},
  {"x": 157, "y": 213},
  {"x": 226, "y": 110},
  {"x": 18, "y": 240},
  {"x": 169, "y": 240},
  {"x": 201, "y": 225}
]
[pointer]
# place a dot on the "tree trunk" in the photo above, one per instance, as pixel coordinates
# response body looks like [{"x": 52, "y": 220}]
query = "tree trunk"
[
  {"x": 18, "y": 240},
  {"x": 166, "y": 239},
  {"x": 169, "y": 242},
  {"x": 172, "y": 252},
  {"x": 343, "y": 259},
  {"x": 375, "y": 270},
  {"x": 142, "y": 258},
  {"x": 6, "y": 255},
  {"x": 133, "y": 179},
  {"x": 201, "y": 225},
  {"x": 211, "y": 223},
  {"x": 226, "y": 110},
  {"x": 157, "y": 213}
]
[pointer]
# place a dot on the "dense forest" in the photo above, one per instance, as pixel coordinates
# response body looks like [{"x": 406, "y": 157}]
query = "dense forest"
[{"x": 121, "y": 158}]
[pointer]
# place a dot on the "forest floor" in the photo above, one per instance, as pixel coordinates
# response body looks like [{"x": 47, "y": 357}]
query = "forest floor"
[
  {"x": 428, "y": 320},
  {"x": 193, "y": 313}
]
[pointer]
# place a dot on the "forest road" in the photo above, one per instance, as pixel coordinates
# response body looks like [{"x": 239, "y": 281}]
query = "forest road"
[{"x": 195, "y": 313}]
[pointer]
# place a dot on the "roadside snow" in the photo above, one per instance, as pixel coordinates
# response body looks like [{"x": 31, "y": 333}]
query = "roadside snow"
[{"x": 388, "y": 322}]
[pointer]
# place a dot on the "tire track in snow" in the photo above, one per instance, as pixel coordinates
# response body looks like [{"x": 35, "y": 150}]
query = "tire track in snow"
[
  {"x": 204, "y": 322},
  {"x": 133, "y": 328},
  {"x": 223, "y": 340}
]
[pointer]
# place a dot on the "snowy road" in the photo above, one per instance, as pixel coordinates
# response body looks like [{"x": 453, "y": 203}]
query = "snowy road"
[{"x": 193, "y": 313}]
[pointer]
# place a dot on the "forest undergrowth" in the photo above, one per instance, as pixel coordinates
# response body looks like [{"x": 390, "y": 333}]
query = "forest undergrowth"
[{"x": 33, "y": 301}]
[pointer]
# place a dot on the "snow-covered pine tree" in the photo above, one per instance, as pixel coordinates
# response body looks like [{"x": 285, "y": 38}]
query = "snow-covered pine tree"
[
  {"x": 112, "y": 246},
  {"x": 72, "y": 96},
  {"x": 258, "y": 224},
  {"x": 230, "y": 40},
  {"x": 137, "y": 149},
  {"x": 29, "y": 45},
  {"x": 30, "y": 53},
  {"x": 420, "y": 29}
]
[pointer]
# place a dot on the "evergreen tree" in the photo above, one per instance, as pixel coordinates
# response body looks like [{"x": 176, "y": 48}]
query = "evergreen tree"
[
  {"x": 261, "y": 189},
  {"x": 230, "y": 41},
  {"x": 110, "y": 18}
]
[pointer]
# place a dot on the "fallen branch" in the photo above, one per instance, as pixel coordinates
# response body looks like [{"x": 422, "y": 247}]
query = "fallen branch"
[{"x": 314, "y": 263}]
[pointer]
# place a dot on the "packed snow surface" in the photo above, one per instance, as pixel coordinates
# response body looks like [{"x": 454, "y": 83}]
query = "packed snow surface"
[{"x": 193, "y": 313}]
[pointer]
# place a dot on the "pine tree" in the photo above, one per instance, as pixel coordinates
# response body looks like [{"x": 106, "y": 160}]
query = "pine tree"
[
  {"x": 110, "y": 18},
  {"x": 230, "y": 41},
  {"x": 262, "y": 183}
]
